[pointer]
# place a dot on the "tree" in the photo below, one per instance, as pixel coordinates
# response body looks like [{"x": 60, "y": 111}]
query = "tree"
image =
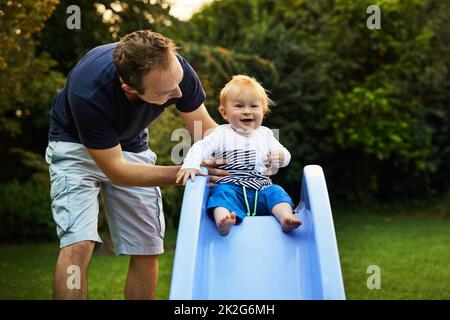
[
  {"x": 28, "y": 81},
  {"x": 67, "y": 46},
  {"x": 368, "y": 105},
  {"x": 28, "y": 85}
]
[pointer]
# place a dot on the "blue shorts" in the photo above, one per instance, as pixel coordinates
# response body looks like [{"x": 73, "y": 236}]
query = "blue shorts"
[{"x": 231, "y": 197}]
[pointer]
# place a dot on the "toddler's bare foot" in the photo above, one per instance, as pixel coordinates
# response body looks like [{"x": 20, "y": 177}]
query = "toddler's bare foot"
[
  {"x": 225, "y": 223},
  {"x": 290, "y": 222}
]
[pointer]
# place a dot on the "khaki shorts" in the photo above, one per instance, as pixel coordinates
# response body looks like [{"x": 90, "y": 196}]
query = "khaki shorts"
[{"x": 134, "y": 214}]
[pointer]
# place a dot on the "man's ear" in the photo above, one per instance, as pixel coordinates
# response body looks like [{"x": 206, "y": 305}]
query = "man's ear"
[
  {"x": 223, "y": 112},
  {"x": 128, "y": 89}
]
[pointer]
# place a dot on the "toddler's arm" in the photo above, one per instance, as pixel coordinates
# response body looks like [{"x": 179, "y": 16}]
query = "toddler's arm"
[{"x": 201, "y": 150}]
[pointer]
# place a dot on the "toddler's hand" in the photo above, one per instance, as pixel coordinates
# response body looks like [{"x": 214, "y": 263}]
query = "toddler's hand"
[
  {"x": 185, "y": 174},
  {"x": 275, "y": 160},
  {"x": 276, "y": 157}
]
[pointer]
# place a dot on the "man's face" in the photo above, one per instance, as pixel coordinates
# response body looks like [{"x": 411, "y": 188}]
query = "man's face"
[
  {"x": 243, "y": 111},
  {"x": 161, "y": 85}
]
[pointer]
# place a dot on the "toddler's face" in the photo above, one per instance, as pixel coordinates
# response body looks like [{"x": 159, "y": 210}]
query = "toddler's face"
[{"x": 243, "y": 111}]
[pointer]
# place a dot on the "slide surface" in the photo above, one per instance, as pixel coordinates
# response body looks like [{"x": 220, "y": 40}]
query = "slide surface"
[{"x": 257, "y": 260}]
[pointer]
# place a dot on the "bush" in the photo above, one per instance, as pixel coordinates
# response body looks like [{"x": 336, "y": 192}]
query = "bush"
[
  {"x": 25, "y": 212},
  {"x": 369, "y": 106}
]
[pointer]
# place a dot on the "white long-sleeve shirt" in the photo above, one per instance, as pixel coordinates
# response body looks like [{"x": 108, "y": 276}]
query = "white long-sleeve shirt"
[{"x": 245, "y": 154}]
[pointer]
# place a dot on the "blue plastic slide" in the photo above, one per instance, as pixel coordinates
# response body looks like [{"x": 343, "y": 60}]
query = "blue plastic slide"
[{"x": 257, "y": 260}]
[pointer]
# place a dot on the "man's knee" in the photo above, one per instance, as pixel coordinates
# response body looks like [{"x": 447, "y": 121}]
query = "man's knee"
[
  {"x": 147, "y": 260},
  {"x": 79, "y": 252}
]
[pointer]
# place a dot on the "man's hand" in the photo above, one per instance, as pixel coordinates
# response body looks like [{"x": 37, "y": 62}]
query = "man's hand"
[
  {"x": 184, "y": 174},
  {"x": 214, "y": 173}
]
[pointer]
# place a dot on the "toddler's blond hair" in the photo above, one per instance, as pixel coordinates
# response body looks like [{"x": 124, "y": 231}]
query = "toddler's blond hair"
[{"x": 240, "y": 83}]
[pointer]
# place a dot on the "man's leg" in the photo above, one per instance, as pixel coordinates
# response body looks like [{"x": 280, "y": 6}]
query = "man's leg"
[
  {"x": 136, "y": 223},
  {"x": 70, "y": 281},
  {"x": 142, "y": 278},
  {"x": 74, "y": 191}
]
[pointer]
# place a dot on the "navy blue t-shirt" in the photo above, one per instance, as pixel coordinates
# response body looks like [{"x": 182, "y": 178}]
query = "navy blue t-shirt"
[{"x": 92, "y": 109}]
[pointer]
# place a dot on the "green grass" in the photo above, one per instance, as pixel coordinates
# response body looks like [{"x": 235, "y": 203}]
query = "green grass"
[
  {"x": 413, "y": 254},
  {"x": 412, "y": 251},
  {"x": 26, "y": 271}
]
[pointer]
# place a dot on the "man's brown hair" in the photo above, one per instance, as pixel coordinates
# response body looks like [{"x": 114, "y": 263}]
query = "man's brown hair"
[{"x": 138, "y": 53}]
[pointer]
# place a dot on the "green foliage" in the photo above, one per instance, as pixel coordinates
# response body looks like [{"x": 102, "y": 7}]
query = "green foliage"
[
  {"x": 25, "y": 205},
  {"x": 101, "y": 22},
  {"x": 132, "y": 15},
  {"x": 26, "y": 80},
  {"x": 68, "y": 46},
  {"x": 28, "y": 86},
  {"x": 370, "y": 106},
  {"x": 376, "y": 122},
  {"x": 25, "y": 210},
  {"x": 216, "y": 65}
]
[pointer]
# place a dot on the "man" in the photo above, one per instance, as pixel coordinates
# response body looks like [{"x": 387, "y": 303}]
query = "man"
[{"x": 98, "y": 141}]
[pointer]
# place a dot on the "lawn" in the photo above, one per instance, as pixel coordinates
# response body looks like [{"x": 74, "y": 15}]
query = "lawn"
[
  {"x": 26, "y": 271},
  {"x": 412, "y": 252}
]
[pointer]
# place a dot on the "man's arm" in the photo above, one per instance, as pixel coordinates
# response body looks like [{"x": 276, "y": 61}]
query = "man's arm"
[
  {"x": 199, "y": 114},
  {"x": 121, "y": 172}
]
